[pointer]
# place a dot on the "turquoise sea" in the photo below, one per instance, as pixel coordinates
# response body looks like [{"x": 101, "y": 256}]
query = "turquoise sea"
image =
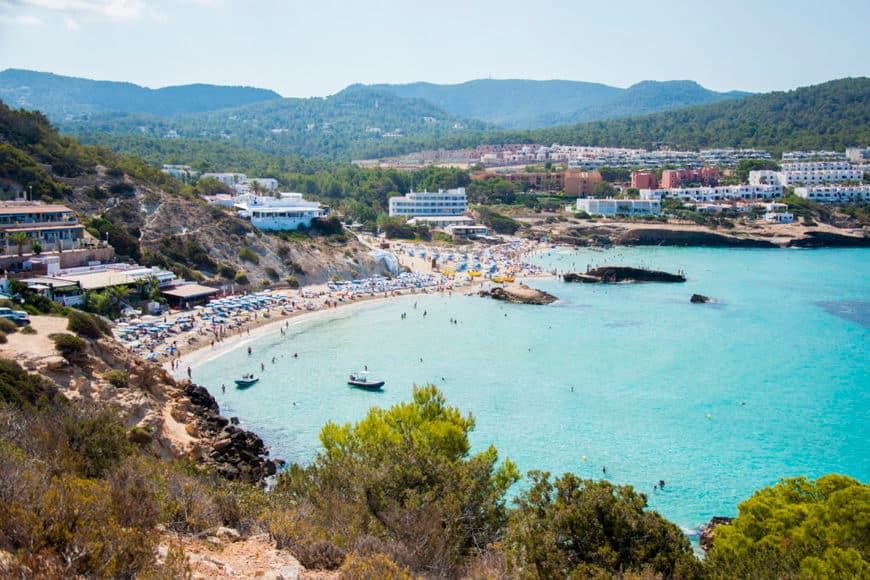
[{"x": 716, "y": 399}]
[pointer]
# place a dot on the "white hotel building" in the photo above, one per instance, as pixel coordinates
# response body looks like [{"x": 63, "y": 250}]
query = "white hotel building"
[
  {"x": 426, "y": 203},
  {"x": 835, "y": 193},
  {"x": 808, "y": 174},
  {"x": 610, "y": 206},
  {"x": 287, "y": 212},
  {"x": 720, "y": 193}
]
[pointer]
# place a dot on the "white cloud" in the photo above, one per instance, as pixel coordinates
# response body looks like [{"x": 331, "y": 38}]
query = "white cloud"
[
  {"x": 70, "y": 23},
  {"x": 24, "y": 19},
  {"x": 109, "y": 9}
]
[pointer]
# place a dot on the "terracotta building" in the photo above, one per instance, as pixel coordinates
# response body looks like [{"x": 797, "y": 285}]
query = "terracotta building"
[{"x": 644, "y": 180}]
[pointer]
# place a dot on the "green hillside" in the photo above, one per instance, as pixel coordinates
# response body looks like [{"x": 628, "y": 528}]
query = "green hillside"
[
  {"x": 832, "y": 115},
  {"x": 338, "y": 126},
  {"x": 61, "y": 97},
  {"x": 527, "y": 104}
]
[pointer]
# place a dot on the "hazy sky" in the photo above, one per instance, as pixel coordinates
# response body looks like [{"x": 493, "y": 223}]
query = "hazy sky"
[{"x": 317, "y": 47}]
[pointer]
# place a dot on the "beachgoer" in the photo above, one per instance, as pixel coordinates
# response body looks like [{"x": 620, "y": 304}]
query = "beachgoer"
[
  {"x": 188, "y": 372},
  {"x": 604, "y": 469},
  {"x": 224, "y": 388},
  {"x": 295, "y": 355},
  {"x": 249, "y": 350},
  {"x": 262, "y": 367},
  {"x": 662, "y": 483}
]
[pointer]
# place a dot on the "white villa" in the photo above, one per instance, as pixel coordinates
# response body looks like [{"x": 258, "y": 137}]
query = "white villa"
[
  {"x": 611, "y": 206},
  {"x": 287, "y": 212},
  {"x": 424, "y": 203},
  {"x": 807, "y": 174},
  {"x": 719, "y": 193},
  {"x": 835, "y": 193}
]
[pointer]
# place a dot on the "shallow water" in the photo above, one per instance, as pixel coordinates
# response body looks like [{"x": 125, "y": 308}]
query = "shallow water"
[{"x": 715, "y": 399}]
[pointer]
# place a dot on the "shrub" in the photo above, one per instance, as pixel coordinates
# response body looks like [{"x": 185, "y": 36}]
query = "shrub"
[
  {"x": 797, "y": 528},
  {"x": 27, "y": 330},
  {"x": 242, "y": 279},
  {"x": 116, "y": 378},
  {"x": 374, "y": 567},
  {"x": 7, "y": 326},
  {"x": 86, "y": 324},
  {"x": 292, "y": 282},
  {"x": 247, "y": 254},
  {"x": 23, "y": 389},
  {"x": 98, "y": 437},
  {"x": 583, "y": 528},
  {"x": 68, "y": 345},
  {"x": 227, "y": 271},
  {"x": 3, "y": 338},
  {"x": 271, "y": 272},
  {"x": 405, "y": 477},
  {"x": 290, "y": 531},
  {"x": 139, "y": 436}
]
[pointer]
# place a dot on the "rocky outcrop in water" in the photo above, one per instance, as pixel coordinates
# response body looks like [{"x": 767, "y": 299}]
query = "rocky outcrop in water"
[
  {"x": 699, "y": 299},
  {"x": 236, "y": 454},
  {"x": 622, "y": 274},
  {"x": 708, "y": 531},
  {"x": 519, "y": 294}
]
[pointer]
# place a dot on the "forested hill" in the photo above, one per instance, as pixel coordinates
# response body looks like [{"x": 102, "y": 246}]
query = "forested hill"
[
  {"x": 528, "y": 104},
  {"x": 61, "y": 97},
  {"x": 339, "y": 126},
  {"x": 832, "y": 115}
]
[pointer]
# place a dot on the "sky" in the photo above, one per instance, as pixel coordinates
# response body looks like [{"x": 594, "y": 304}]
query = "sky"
[{"x": 303, "y": 48}]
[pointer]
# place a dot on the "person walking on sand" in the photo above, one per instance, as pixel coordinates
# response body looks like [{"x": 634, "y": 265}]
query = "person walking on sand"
[{"x": 188, "y": 373}]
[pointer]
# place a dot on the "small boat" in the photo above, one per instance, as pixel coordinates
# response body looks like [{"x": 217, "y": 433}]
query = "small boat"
[
  {"x": 361, "y": 380},
  {"x": 500, "y": 279},
  {"x": 246, "y": 381},
  {"x": 474, "y": 273}
]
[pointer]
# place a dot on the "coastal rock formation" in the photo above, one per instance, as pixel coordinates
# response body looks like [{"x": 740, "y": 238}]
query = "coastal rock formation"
[
  {"x": 666, "y": 237},
  {"x": 519, "y": 294},
  {"x": 830, "y": 240},
  {"x": 181, "y": 419},
  {"x": 622, "y": 274},
  {"x": 708, "y": 531},
  {"x": 699, "y": 299},
  {"x": 236, "y": 453}
]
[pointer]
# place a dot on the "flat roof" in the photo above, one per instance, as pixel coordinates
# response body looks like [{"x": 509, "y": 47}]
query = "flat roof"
[
  {"x": 32, "y": 208},
  {"x": 49, "y": 281},
  {"x": 190, "y": 291},
  {"x": 97, "y": 280}
]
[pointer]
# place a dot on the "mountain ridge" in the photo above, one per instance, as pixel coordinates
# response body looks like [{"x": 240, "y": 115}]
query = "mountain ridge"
[
  {"x": 529, "y": 104},
  {"x": 61, "y": 97}
]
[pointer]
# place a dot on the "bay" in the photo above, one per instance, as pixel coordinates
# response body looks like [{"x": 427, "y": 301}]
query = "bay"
[{"x": 717, "y": 399}]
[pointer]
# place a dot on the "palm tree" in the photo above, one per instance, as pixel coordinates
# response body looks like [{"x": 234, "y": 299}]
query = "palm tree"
[
  {"x": 19, "y": 239},
  {"x": 117, "y": 295}
]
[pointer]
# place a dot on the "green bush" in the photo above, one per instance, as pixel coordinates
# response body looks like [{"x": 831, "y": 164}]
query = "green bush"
[
  {"x": 405, "y": 478},
  {"x": 242, "y": 278},
  {"x": 798, "y": 528},
  {"x": 292, "y": 282},
  {"x": 27, "y": 330},
  {"x": 68, "y": 345},
  {"x": 116, "y": 378},
  {"x": 86, "y": 324},
  {"x": 3, "y": 338},
  {"x": 22, "y": 389},
  {"x": 248, "y": 255},
  {"x": 583, "y": 528},
  {"x": 271, "y": 272},
  {"x": 227, "y": 271}
]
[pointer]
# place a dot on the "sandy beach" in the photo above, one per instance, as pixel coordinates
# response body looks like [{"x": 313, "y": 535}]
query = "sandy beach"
[{"x": 200, "y": 344}]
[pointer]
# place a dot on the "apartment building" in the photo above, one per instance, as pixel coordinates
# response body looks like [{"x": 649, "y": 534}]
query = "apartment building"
[
  {"x": 835, "y": 193},
  {"x": 53, "y": 226},
  {"x": 712, "y": 194},
  {"x": 707, "y": 176},
  {"x": 426, "y": 203},
  {"x": 644, "y": 180},
  {"x": 611, "y": 206}
]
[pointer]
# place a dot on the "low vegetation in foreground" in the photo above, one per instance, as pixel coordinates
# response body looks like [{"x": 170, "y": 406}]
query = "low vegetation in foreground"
[{"x": 397, "y": 495}]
